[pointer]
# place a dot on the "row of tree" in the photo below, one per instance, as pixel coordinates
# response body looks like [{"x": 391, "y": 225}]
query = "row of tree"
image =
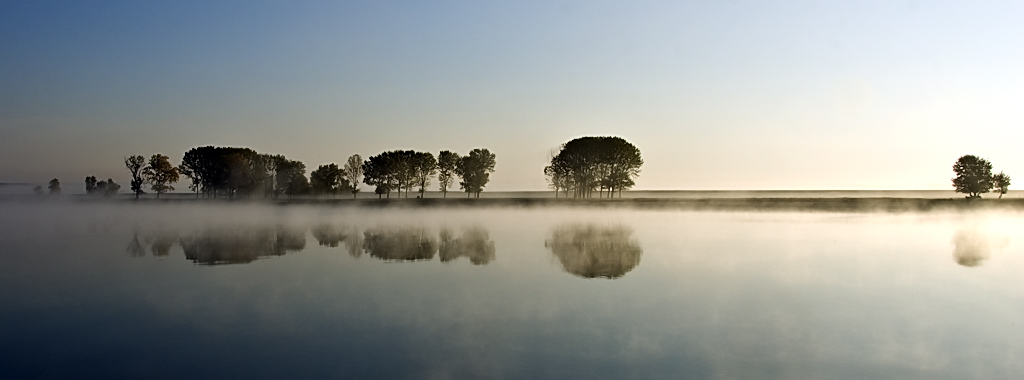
[
  {"x": 974, "y": 177},
  {"x": 606, "y": 164},
  {"x": 405, "y": 169},
  {"x": 243, "y": 172}
]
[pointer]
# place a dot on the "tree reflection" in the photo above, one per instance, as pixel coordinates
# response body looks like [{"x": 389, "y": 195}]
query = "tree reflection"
[
  {"x": 328, "y": 235},
  {"x": 238, "y": 246},
  {"x": 160, "y": 245},
  {"x": 475, "y": 243},
  {"x": 399, "y": 244},
  {"x": 591, "y": 251},
  {"x": 135, "y": 248},
  {"x": 971, "y": 247}
]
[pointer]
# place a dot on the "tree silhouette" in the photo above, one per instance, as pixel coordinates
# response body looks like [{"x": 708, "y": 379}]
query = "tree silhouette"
[
  {"x": 134, "y": 165},
  {"x": 327, "y": 179},
  {"x": 475, "y": 170},
  {"x": 54, "y": 187},
  {"x": 378, "y": 172},
  {"x": 291, "y": 178},
  {"x": 424, "y": 166},
  {"x": 160, "y": 174},
  {"x": 1001, "y": 182},
  {"x": 90, "y": 185},
  {"x": 447, "y": 163},
  {"x": 973, "y": 176},
  {"x": 353, "y": 172},
  {"x": 108, "y": 188},
  {"x": 586, "y": 164}
]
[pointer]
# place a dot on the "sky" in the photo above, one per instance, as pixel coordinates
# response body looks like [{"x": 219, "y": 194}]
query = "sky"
[{"x": 746, "y": 95}]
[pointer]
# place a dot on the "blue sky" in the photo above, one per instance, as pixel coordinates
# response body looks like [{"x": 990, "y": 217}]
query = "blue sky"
[{"x": 723, "y": 95}]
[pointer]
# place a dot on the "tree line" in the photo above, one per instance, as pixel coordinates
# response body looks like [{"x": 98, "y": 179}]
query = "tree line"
[{"x": 229, "y": 172}]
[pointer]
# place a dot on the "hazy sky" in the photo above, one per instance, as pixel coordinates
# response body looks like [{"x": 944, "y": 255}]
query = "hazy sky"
[{"x": 717, "y": 95}]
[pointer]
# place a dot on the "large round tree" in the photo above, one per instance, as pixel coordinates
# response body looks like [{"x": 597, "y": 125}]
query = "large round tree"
[
  {"x": 588, "y": 163},
  {"x": 973, "y": 176}
]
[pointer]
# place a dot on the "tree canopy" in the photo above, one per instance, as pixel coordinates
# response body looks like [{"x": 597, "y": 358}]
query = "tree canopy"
[
  {"x": 475, "y": 170},
  {"x": 973, "y": 176},
  {"x": 160, "y": 174},
  {"x": 586, "y": 164}
]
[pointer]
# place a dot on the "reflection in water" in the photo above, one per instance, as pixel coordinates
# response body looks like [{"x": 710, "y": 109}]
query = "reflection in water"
[
  {"x": 328, "y": 235},
  {"x": 161, "y": 244},
  {"x": 399, "y": 244},
  {"x": 135, "y": 248},
  {"x": 475, "y": 243},
  {"x": 225, "y": 245},
  {"x": 971, "y": 246},
  {"x": 591, "y": 251},
  {"x": 238, "y": 246}
]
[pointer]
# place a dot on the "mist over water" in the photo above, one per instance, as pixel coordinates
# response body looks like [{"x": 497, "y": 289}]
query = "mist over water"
[{"x": 271, "y": 291}]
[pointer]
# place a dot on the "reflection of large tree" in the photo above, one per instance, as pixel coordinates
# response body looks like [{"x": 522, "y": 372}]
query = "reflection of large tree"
[
  {"x": 399, "y": 244},
  {"x": 591, "y": 251},
  {"x": 238, "y": 245},
  {"x": 475, "y": 243},
  {"x": 971, "y": 247},
  {"x": 328, "y": 235}
]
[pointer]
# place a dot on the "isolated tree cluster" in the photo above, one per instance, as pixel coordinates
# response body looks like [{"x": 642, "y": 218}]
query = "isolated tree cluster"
[
  {"x": 974, "y": 177},
  {"x": 586, "y": 164},
  {"x": 106, "y": 188}
]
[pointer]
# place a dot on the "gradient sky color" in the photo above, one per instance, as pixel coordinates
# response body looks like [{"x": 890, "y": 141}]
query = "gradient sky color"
[{"x": 717, "y": 95}]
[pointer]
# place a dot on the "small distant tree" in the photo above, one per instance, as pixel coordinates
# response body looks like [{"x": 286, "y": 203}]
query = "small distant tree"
[
  {"x": 107, "y": 188},
  {"x": 447, "y": 162},
  {"x": 160, "y": 174},
  {"x": 134, "y": 165},
  {"x": 38, "y": 190},
  {"x": 973, "y": 176},
  {"x": 90, "y": 185},
  {"x": 54, "y": 187},
  {"x": 1001, "y": 182},
  {"x": 475, "y": 170},
  {"x": 353, "y": 172}
]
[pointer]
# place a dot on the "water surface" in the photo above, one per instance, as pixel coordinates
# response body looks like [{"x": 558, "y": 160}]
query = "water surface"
[{"x": 210, "y": 290}]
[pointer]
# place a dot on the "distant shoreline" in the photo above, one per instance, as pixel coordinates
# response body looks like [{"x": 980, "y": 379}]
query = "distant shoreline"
[{"x": 816, "y": 204}]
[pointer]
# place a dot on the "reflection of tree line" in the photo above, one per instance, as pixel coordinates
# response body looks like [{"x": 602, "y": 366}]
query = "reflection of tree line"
[
  {"x": 243, "y": 245},
  {"x": 585, "y": 250}
]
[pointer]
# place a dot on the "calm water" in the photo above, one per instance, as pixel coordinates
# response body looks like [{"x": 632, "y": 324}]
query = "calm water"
[{"x": 243, "y": 291}]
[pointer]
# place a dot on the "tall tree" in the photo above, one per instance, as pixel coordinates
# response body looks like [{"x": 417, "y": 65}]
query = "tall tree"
[
  {"x": 475, "y": 170},
  {"x": 973, "y": 176},
  {"x": 1001, "y": 182},
  {"x": 134, "y": 165},
  {"x": 424, "y": 166},
  {"x": 160, "y": 174},
  {"x": 353, "y": 172},
  {"x": 54, "y": 187},
  {"x": 447, "y": 162}
]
